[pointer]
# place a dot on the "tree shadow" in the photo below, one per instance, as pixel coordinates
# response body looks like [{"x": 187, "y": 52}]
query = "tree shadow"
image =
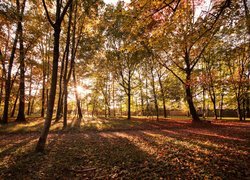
[{"x": 168, "y": 153}]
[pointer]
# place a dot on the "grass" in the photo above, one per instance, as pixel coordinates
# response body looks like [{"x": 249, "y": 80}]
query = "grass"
[{"x": 121, "y": 149}]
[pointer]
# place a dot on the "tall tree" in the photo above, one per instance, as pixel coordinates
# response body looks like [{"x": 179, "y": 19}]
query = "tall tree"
[
  {"x": 60, "y": 13},
  {"x": 186, "y": 38},
  {"x": 18, "y": 14},
  {"x": 21, "y": 109},
  {"x": 247, "y": 16}
]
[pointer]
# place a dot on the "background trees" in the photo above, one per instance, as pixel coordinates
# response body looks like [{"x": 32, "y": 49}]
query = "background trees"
[{"x": 133, "y": 59}]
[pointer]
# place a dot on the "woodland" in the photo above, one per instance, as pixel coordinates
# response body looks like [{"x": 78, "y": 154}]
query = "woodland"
[{"x": 140, "y": 89}]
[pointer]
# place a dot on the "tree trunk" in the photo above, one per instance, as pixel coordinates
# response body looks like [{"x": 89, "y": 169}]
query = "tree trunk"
[
  {"x": 213, "y": 99},
  {"x": 214, "y": 107},
  {"x": 77, "y": 97},
  {"x": 1, "y": 90},
  {"x": 221, "y": 106},
  {"x": 65, "y": 109},
  {"x": 67, "y": 75},
  {"x": 42, "y": 140},
  {"x": 32, "y": 103},
  {"x": 147, "y": 100},
  {"x": 247, "y": 15},
  {"x": 247, "y": 101},
  {"x": 21, "y": 109},
  {"x": 113, "y": 96},
  {"x": 239, "y": 109},
  {"x": 192, "y": 109},
  {"x": 129, "y": 104},
  {"x": 8, "y": 80},
  {"x": 29, "y": 103},
  {"x": 155, "y": 96},
  {"x": 129, "y": 96},
  {"x": 57, "y": 29},
  {"x": 43, "y": 90},
  {"x": 142, "y": 102},
  {"x": 189, "y": 97},
  {"x": 109, "y": 98},
  {"x": 60, "y": 96},
  {"x": 163, "y": 96},
  {"x": 14, "y": 107}
]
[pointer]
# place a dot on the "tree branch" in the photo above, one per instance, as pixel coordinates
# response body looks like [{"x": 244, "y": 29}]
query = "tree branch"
[
  {"x": 65, "y": 10},
  {"x": 47, "y": 14}
]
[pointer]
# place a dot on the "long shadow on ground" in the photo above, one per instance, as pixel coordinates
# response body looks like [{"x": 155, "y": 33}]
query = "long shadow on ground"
[{"x": 177, "y": 150}]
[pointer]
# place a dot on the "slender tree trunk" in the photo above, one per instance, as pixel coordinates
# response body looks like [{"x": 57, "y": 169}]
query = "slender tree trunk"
[
  {"x": 142, "y": 102},
  {"x": 109, "y": 98},
  {"x": 77, "y": 97},
  {"x": 163, "y": 96},
  {"x": 30, "y": 83},
  {"x": 247, "y": 15},
  {"x": 1, "y": 91},
  {"x": 43, "y": 90},
  {"x": 8, "y": 80},
  {"x": 105, "y": 111},
  {"x": 60, "y": 96},
  {"x": 213, "y": 99},
  {"x": 113, "y": 96},
  {"x": 66, "y": 74},
  {"x": 214, "y": 107},
  {"x": 147, "y": 100},
  {"x": 129, "y": 103},
  {"x": 221, "y": 105},
  {"x": 32, "y": 103},
  {"x": 247, "y": 101},
  {"x": 121, "y": 109},
  {"x": 203, "y": 103},
  {"x": 42, "y": 140},
  {"x": 129, "y": 95},
  {"x": 65, "y": 109},
  {"x": 3, "y": 76},
  {"x": 57, "y": 29},
  {"x": 155, "y": 96},
  {"x": 239, "y": 109},
  {"x": 244, "y": 109},
  {"x": 14, "y": 107}
]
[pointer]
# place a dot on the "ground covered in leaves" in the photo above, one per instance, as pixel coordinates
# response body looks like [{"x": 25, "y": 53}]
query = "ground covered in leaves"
[{"x": 121, "y": 149}]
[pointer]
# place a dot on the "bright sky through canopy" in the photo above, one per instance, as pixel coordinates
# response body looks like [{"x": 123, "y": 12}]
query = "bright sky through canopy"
[{"x": 115, "y": 1}]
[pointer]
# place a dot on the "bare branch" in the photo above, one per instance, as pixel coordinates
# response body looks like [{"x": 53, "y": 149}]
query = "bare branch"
[
  {"x": 65, "y": 10},
  {"x": 47, "y": 14},
  {"x": 168, "y": 68}
]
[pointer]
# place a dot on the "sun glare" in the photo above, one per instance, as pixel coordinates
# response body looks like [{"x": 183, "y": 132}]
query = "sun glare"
[{"x": 79, "y": 89}]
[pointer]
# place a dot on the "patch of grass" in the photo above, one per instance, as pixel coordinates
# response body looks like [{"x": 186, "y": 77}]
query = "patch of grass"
[{"x": 109, "y": 124}]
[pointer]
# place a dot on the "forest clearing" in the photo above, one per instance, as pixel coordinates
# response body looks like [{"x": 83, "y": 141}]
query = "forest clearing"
[
  {"x": 133, "y": 89},
  {"x": 118, "y": 148}
]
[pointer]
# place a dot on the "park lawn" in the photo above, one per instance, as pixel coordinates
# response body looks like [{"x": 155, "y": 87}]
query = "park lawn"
[{"x": 118, "y": 148}]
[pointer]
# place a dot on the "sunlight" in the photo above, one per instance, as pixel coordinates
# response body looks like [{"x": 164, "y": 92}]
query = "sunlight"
[
  {"x": 79, "y": 89},
  {"x": 82, "y": 91}
]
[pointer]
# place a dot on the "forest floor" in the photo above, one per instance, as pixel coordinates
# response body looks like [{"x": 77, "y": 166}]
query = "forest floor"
[{"x": 122, "y": 149}]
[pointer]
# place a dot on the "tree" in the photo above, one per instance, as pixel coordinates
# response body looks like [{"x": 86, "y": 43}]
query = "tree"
[
  {"x": 11, "y": 60},
  {"x": 186, "y": 38},
  {"x": 21, "y": 109},
  {"x": 60, "y": 13},
  {"x": 123, "y": 58}
]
